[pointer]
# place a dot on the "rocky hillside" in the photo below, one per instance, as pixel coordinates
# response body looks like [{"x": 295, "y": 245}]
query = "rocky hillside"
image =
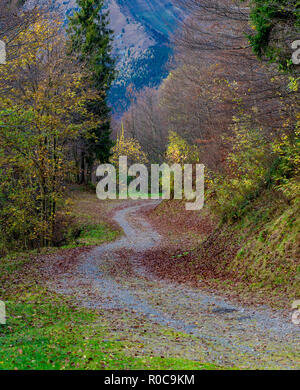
[{"x": 142, "y": 30}]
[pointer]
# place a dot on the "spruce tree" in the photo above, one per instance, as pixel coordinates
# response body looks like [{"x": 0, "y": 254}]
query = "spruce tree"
[{"x": 91, "y": 42}]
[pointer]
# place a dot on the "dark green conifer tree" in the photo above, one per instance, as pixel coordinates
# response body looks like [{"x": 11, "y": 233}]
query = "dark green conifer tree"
[{"x": 91, "y": 42}]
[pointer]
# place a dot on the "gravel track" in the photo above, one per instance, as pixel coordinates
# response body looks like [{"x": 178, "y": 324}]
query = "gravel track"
[{"x": 211, "y": 328}]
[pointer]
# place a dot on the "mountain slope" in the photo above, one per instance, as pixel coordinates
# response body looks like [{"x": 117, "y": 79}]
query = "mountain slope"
[
  {"x": 142, "y": 29},
  {"x": 159, "y": 16}
]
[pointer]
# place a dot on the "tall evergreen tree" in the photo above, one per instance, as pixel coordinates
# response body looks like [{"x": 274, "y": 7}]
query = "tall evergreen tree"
[{"x": 91, "y": 42}]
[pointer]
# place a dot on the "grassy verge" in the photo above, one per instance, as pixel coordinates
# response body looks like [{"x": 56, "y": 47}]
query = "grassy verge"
[
  {"x": 47, "y": 331},
  {"x": 256, "y": 258},
  {"x": 91, "y": 234},
  {"x": 268, "y": 259},
  {"x": 91, "y": 223}
]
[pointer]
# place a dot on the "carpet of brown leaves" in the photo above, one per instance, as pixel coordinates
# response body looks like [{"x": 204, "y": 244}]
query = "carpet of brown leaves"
[{"x": 196, "y": 253}]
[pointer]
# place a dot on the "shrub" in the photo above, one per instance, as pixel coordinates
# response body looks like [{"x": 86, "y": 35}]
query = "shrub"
[{"x": 247, "y": 166}]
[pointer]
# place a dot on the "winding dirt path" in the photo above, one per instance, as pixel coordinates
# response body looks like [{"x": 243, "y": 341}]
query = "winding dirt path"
[{"x": 110, "y": 278}]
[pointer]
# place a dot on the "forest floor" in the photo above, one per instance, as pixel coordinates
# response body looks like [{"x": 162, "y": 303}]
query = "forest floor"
[{"x": 127, "y": 313}]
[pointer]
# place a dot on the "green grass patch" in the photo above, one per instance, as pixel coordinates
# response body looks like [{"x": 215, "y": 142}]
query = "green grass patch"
[
  {"x": 96, "y": 234},
  {"x": 268, "y": 235},
  {"x": 45, "y": 332}
]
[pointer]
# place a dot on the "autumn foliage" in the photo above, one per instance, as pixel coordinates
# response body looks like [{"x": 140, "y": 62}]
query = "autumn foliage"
[{"x": 39, "y": 123}]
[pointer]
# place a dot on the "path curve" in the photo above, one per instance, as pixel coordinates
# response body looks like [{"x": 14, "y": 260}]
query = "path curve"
[{"x": 222, "y": 332}]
